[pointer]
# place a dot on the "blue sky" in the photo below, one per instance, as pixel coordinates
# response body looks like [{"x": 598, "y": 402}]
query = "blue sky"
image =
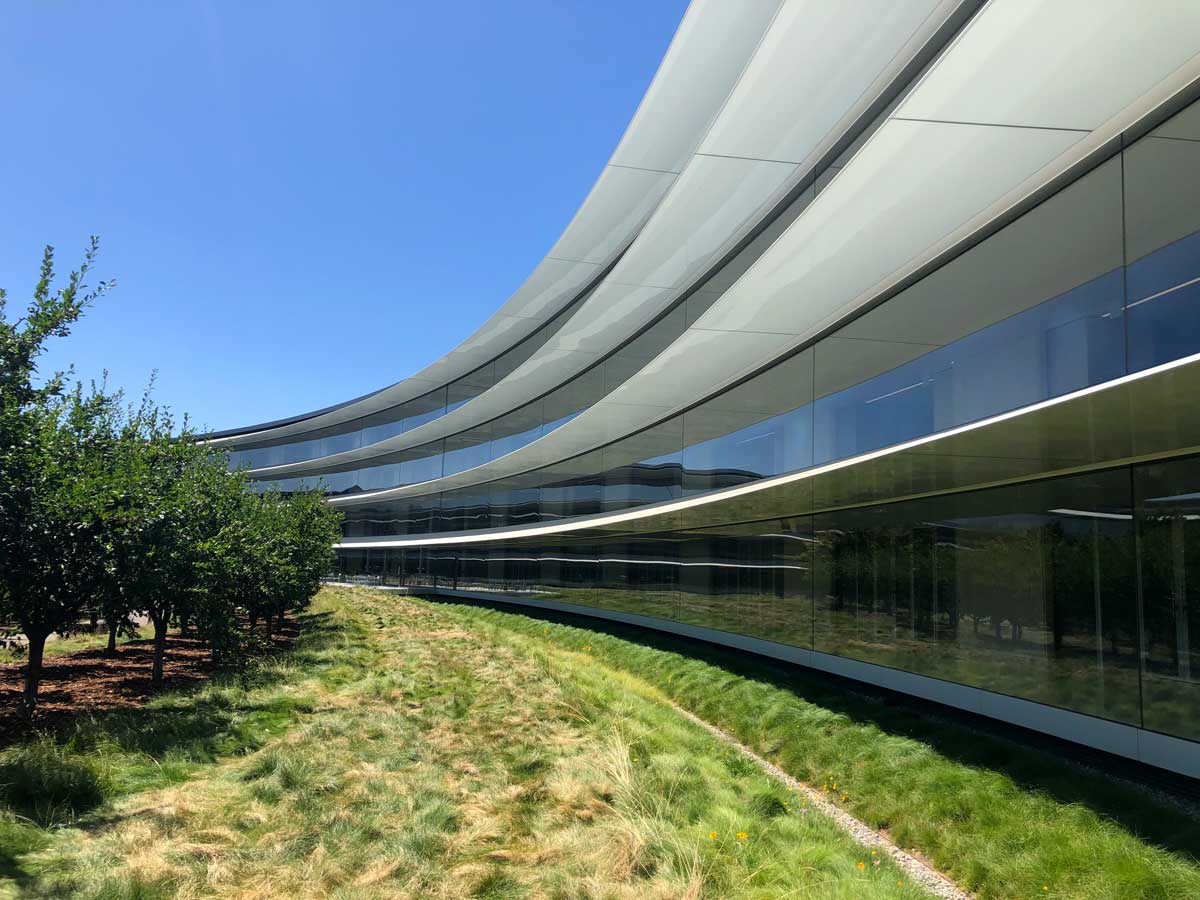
[{"x": 302, "y": 201}]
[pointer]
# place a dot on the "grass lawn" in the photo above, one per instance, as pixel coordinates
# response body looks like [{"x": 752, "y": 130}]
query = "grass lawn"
[{"x": 414, "y": 749}]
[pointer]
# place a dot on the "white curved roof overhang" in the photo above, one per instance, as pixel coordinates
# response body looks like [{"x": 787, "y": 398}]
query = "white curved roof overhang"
[
  {"x": 1029, "y": 96},
  {"x": 819, "y": 77},
  {"x": 707, "y": 53},
  {"x": 1083, "y": 431}
]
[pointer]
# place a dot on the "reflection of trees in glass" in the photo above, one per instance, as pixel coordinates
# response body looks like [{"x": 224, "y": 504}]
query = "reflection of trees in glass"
[
  {"x": 1049, "y": 597},
  {"x": 1169, "y": 547},
  {"x": 1170, "y": 556},
  {"x": 1027, "y": 590}
]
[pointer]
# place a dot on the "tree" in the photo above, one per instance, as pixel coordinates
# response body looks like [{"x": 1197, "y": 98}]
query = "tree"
[
  {"x": 47, "y": 475},
  {"x": 144, "y": 525},
  {"x": 303, "y": 529},
  {"x": 122, "y": 510}
]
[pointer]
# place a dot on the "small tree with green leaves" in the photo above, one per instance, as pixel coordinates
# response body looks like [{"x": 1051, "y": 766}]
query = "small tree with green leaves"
[
  {"x": 150, "y": 527},
  {"x": 48, "y": 475}
]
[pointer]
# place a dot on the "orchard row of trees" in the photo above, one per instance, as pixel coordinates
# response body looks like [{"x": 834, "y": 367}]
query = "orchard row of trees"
[{"x": 114, "y": 510}]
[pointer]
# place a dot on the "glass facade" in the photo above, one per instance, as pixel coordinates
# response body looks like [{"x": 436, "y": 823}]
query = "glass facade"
[
  {"x": 1080, "y": 591},
  {"x": 1168, "y": 521},
  {"x": 1100, "y": 280},
  {"x": 396, "y": 420}
]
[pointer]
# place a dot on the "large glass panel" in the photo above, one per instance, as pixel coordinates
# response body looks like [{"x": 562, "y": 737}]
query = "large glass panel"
[
  {"x": 248, "y": 459},
  {"x": 376, "y": 478},
  {"x": 708, "y": 583},
  {"x": 467, "y": 449},
  {"x": 645, "y": 467},
  {"x": 564, "y": 403},
  {"x": 390, "y": 518},
  {"x": 513, "y": 569},
  {"x": 351, "y": 563},
  {"x": 638, "y": 575},
  {"x": 443, "y": 566},
  {"x": 574, "y": 487},
  {"x": 298, "y": 451},
  {"x": 1026, "y": 590},
  {"x": 1162, "y": 221},
  {"x": 473, "y": 568},
  {"x": 425, "y": 467},
  {"x": 339, "y": 443},
  {"x": 466, "y": 509},
  {"x": 570, "y": 572},
  {"x": 514, "y": 501},
  {"x": 1168, "y": 506},
  {"x": 373, "y": 434},
  {"x": 754, "y": 579},
  {"x": 516, "y": 429},
  {"x": 414, "y": 567},
  {"x": 1032, "y": 312},
  {"x": 762, "y": 427},
  {"x": 333, "y": 482}
]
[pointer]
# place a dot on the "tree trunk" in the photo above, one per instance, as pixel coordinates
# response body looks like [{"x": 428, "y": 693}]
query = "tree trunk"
[
  {"x": 160, "y": 650},
  {"x": 112, "y": 638},
  {"x": 33, "y": 670},
  {"x": 95, "y": 618},
  {"x": 282, "y": 618}
]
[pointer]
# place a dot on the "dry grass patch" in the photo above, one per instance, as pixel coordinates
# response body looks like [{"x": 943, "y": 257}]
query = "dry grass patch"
[{"x": 462, "y": 760}]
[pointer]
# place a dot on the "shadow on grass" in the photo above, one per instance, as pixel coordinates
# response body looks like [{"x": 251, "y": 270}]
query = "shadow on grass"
[
  {"x": 1037, "y": 763},
  {"x": 16, "y": 840},
  {"x": 213, "y": 717},
  {"x": 51, "y": 775}
]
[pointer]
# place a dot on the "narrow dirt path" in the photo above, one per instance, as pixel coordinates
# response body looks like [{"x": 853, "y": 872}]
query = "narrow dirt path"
[{"x": 929, "y": 878}]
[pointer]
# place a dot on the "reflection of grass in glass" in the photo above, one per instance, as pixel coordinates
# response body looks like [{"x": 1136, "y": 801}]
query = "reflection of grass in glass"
[
  {"x": 1172, "y": 705},
  {"x": 1026, "y": 668}
]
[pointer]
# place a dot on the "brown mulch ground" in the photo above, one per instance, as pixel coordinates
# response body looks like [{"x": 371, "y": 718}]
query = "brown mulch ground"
[{"x": 88, "y": 681}]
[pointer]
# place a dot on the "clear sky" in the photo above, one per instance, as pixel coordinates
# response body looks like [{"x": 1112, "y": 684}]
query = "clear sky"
[{"x": 302, "y": 201}]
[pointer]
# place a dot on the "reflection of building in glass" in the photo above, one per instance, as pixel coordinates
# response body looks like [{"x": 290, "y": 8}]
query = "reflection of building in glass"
[{"x": 873, "y": 348}]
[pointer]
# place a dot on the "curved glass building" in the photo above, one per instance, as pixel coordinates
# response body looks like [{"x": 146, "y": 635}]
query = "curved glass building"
[{"x": 875, "y": 347}]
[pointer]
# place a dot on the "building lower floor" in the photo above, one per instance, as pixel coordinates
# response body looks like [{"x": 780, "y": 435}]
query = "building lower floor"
[{"x": 1070, "y": 603}]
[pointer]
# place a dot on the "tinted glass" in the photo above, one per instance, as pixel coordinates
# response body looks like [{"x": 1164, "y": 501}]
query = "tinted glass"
[
  {"x": 1162, "y": 222},
  {"x": 1025, "y": 590},
  {"x": 1169, "y": 540},
  {"x": 1032, "y": 312}
]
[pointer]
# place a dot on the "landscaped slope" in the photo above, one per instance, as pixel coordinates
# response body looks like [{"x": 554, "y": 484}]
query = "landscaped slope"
[
  {"x": 416, "y": 749},
  {"x": 455, "y": 759}
]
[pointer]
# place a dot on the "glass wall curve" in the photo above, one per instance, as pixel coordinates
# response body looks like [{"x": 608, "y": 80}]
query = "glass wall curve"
[
  {"x": 978, "y": 479},
  {"x": 1071, "y": 592}
]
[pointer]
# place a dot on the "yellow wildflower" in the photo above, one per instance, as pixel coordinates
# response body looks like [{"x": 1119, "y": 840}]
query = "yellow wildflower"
[
  {"x": 712, "y": 835},
  {"x": 742, "y": 835}
]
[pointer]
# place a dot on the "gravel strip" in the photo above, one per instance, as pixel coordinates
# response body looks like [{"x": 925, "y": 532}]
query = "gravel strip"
[{"x": 931, "y": 879}]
